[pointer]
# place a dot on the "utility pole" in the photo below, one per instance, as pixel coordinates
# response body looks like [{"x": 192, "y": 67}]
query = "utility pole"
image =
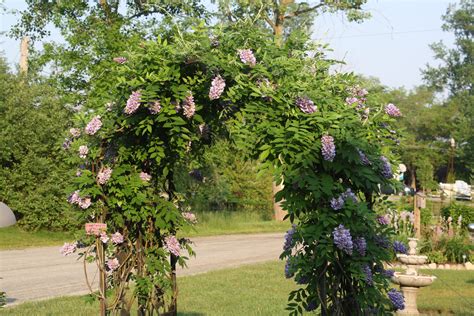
[{"x": 24, "y": 55}]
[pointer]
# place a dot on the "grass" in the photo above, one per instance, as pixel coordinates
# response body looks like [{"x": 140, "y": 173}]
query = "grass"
[
  {"x": 15, "y": 238},
  {"x": 262, "y": 290},
  {"x": 209, "y": 224}
]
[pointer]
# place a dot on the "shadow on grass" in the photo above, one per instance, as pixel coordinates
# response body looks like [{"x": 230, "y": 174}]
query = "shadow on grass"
[
  {"x": 470, "y": 281},
  {"x": 190, "y": 314}
]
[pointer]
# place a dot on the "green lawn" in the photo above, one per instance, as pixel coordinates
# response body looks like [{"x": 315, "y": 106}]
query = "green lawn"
[
  {"x": 209, "y": 224},
  {"x": 15, "y": 238},
  {"x": 262, "y": 290}
]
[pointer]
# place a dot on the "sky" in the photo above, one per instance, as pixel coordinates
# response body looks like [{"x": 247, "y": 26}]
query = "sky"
[{"x": 393, "y": 45}]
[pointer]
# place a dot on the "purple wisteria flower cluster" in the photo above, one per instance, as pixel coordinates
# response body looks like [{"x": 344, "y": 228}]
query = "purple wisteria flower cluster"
[
  {"x": 397, "y": 299},
  {"x": 386, "y": 170},
  {"x": 172, "y": 245},
  {"x": 145, "y": 176},
  {"x": 399, "y": 247},
  {"x": 383, "y": 219},
  {"x": 117, "y": 238},
  {"x": 306, "y": 105},
  {"x": 382, "y": 241},
  {"x": 217, "y": 88},
  {"x": 288, "y": 269},
  {"x": 328, "y": 149},
  {"x": 289, "y": 238},
  {"x": 343, "y": 239},
  {"x": 388, "y": 273},
  {"x": 392, "y": 110},
  {"x": 104, "y": 175},
  {"x": 83, "y": 151},
  {"x": 93, "y": 126},
  {"x": 363, "y": 158},
  {"x": 113, "y": 264},
  {"x": 338, "y": 203},
  {"x": 68, "y": 248},
  {"x": 189, "y": 107},
  {"x": 368, "y": 274},
  {"x": 133, "y": 102},
  {"x": 358, "y": 97},
  {"x": 190, "y": 217},
  {"x": 75, "y": 132},
  {"x": 155, "y": 107},
  {"x": 360, "y": 245},
  {"x": 247, "y": 57},
  {"x": 83, "y": 203}
]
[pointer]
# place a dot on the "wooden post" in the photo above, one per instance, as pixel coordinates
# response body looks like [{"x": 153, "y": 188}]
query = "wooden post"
[
  {"x": 417, "y": 223},
  {"x": 24, "y": 55},
  {"x": 102, "y": 277}
]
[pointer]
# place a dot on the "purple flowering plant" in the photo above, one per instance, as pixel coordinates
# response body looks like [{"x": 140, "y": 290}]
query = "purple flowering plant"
[{"x": 138, "y": 198}]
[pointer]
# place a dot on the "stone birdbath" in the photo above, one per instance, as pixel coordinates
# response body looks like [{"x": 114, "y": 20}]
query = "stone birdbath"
[{"x": 410, "y": 280}]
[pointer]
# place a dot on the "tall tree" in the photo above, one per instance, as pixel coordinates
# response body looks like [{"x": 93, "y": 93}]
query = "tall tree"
[
  {"x": 94, "y": 32},
  {"x": 282, "y": 16},
  {"x": 456, "y": 76}
]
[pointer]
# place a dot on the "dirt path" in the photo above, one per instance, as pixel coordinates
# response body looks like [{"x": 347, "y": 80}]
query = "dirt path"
[{"x": 40, "y": 273}]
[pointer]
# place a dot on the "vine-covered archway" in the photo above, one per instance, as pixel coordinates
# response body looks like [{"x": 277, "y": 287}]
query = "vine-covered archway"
[{"x": 165, "y": 100}]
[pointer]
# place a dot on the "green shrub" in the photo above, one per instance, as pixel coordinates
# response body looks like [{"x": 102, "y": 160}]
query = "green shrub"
[
  {"x": 454, "y": 248},
  {"x": 3, "y": 298},
  {"x": 33, "y": 176},
  {"x": 457, "y": 209},
  {"x": 436, "y": 257},
  {"x": 426, "y": 216}
]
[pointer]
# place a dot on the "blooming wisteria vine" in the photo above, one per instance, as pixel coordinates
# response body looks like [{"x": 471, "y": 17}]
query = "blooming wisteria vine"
[{"x": 161, "y": 106}]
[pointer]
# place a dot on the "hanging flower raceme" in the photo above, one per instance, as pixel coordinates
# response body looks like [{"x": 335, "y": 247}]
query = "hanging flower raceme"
[
  {"x": 190, "y": 217},
  {"x": 337, "y": 203},
  {"x": 83, "y": 151},
  {"x": 117, "y": 238},
  {"x": 360, "y": 245},
  {"x": 85, "y": 203},
  {"x": 93, "y": 126},
  {"x": 68, "y": 248},
  {"x": 368, "y": 274},
  {"x": 75, "y": 132},
  {"x": 386, "y": 168},
  {"x": 172, "y": 245},
  {"x": 343, "y": 239},
  {"x": 189, "y": 107},
  {"x": 113, "y": 264},
  {"x": 155, "y": 108},
  {"x": 133, "y": 102},
  {"x": 104, "y": 175},
  {"x": 217, "y": 88},
  {"x": 306, "y": 105},
  {"x": 104, "y": 237},
  {"x": 328, "y": 149},
  {"x": 399, "y": 247},
  {"x": 363, "y": 158},
  {"x": 288, "y": 269},
  {"x": 145, "y": 176},
  {"x": 289, "y": 238},
  {"x": 383, "y": 219},
  {"x": 392, "y": 110},
  {"x": 247, "y": 57},
  {"x": 74, "y": 198},
  {"x": 397, "y": 299}
]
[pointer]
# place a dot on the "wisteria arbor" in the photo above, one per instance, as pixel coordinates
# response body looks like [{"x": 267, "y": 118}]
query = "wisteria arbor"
[{"x": 165, "y": 100}]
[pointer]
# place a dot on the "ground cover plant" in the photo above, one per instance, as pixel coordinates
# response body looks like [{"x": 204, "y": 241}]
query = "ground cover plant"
[{"x": 259, "y": 290}]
